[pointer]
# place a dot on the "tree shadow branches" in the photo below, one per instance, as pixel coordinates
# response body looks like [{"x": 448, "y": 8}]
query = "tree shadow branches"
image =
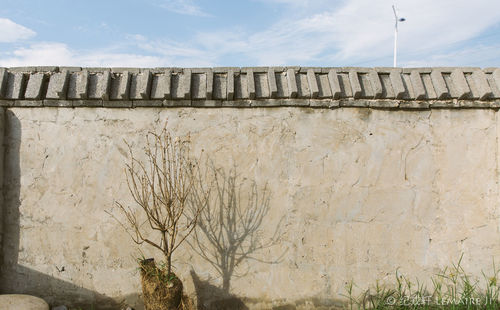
[{"x": 229, "y": 227}]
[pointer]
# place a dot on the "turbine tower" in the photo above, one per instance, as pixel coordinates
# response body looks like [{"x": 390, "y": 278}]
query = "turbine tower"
[{"x": 398, "y": 19}]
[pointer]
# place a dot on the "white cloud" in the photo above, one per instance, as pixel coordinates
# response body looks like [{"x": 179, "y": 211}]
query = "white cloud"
[
  {"x": 181, "y": 55},
  {"x": 185, "y": 7},
  {"x": 59, "y": 54},
  {"x": 469, "y": 57},
  {"x": 12, "y": 32},
  {"x": 37, "y": 54},
  {"x": 363, "y": 29},
  {"x": 357, "y": 31},
  {"x": 304, "y": 6},
  {"x": 302, "y": 3}
]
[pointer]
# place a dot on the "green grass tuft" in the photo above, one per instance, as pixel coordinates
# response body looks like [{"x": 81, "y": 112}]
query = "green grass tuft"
[{"x": 452, "y": 289}]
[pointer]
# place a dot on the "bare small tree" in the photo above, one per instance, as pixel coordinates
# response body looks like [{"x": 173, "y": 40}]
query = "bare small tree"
[{"x": 160, "y": 186}]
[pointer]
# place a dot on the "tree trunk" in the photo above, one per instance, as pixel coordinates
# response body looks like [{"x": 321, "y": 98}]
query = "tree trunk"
[
  {"x": 169, "y": 264},
  {"x": 226, "y": 282}
]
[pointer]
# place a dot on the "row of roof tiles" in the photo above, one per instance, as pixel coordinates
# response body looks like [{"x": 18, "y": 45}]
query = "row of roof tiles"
[{"x": 232, "y": 84}]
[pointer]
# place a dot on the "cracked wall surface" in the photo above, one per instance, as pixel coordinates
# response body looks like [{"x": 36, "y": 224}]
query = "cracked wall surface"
[{"x": 357, "y": 193}]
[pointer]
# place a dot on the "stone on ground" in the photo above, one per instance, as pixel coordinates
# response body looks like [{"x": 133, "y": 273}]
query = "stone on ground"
[{"x": 22, "y": 302}]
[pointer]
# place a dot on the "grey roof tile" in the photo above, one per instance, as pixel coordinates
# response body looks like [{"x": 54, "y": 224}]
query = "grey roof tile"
[{"x": 167, "y": 85}]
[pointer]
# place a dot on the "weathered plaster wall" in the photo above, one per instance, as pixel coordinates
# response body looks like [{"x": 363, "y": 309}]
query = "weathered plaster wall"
[
  {"x": 2, "y": 127},
  {"x": 360, "y": 192}
]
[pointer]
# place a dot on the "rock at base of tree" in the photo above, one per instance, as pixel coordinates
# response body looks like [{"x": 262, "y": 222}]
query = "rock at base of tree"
[{"x": 24, "y": 302}]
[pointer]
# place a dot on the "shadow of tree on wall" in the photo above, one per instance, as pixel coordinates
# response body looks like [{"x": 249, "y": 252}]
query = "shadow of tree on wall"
[
  {"x": 211, "y": 297},
  {"x": 228, "y": 232},
  {"x": 18, "y": 279}
]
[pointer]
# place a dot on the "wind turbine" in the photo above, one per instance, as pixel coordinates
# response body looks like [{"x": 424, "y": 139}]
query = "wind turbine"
[{"x": 398, "y": 19}]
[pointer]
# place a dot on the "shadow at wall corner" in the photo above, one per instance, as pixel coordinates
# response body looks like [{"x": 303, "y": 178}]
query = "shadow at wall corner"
[
  {"x": 18, "y": 279},
  {"x": 23, "y": 280}
]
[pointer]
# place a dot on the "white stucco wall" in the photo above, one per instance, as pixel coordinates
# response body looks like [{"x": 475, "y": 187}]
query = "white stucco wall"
[{"x": 360, "y": 193}]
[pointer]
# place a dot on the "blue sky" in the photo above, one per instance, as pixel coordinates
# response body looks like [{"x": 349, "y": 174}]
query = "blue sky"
[{"x": 199, "y": 33}]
